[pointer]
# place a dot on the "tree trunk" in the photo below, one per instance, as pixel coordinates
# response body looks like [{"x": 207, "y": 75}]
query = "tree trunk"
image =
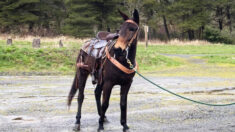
[
  {"x": 166, "y": 28},
  {"x": 220, "y": 24},
  {"x": 108, "y": 29},
  {"x": 219, "y": 14},
  {"x": 190, "y": 34},
  {"x": 228, "y": 14}
]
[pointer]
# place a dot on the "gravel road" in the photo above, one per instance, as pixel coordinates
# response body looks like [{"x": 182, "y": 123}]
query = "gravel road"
[{"x": 38, "y": 104}]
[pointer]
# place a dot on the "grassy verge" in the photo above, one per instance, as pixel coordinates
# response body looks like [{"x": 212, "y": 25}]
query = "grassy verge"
[
  {"x": 224, "y": 59},
  {"x": 49, "y": 59},
  {"x": 55, "y": 60},
  {"x": 190, "y": 49},
  {"x": 149, "y": 59},
  {"x": 62, "y": 60}
]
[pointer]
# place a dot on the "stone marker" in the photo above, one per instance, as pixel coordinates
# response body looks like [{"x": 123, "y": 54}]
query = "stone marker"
[
  {"x": 61, "y": 44},
  {"x": 36, "y": 43},
  {"x": 9, "y": 41}
]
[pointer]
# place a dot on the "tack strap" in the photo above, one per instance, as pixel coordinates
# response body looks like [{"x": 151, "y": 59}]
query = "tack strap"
[
  {"x": 135, "y": 35},
  {"x": 133, "y": 22},
  {"x": 119, "y": 65}
]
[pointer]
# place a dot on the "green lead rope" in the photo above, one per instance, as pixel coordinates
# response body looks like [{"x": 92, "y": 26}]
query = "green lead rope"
[{"x": 198, "y": 102}]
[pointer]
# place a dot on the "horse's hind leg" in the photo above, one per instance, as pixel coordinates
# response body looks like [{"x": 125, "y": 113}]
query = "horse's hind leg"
[{"x": 82, "y": 77}]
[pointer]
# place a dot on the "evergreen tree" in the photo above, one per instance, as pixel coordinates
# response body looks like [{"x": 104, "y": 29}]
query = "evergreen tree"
[
  {"x": 20, "y": 16},
  {"x": 87, "y": 17},
  {"x": 16, "y": 13},
  {"x": 190, "y": 16}
]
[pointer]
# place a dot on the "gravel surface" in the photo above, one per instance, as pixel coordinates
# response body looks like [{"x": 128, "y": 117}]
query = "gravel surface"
[{"x": 38, "y": 103}]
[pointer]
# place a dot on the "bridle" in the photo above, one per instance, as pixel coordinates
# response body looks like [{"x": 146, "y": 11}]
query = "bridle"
[
  {"x": 136, "y": 32},
  {"x": 118, "y": 64}
]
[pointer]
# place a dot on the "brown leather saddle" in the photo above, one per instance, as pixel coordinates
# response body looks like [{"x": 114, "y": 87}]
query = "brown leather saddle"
[
  {"x": 95, "y": 49},
  {"x": 103, "y": 35}
]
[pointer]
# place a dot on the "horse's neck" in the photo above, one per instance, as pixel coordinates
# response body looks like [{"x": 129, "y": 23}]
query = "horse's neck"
[
  {"x": 121, "y": 56},
  {"x": 132, "y": 52}
]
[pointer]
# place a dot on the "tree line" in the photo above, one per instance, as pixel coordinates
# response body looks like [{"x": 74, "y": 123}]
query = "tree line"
[{"x": 212, "y": 20}]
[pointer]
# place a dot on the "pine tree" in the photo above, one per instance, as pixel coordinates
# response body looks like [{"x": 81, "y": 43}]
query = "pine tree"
[
  {"x": 190, "y": 16},
  {"x": 15, "y": 13},
  {"x": 85, "y": 18},
  {"x": 28, "y": 16}
]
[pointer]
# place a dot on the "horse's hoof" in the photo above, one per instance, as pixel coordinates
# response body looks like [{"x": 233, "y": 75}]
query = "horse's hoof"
[
  {"x": 100, "y": 129},
  {"x": 125, "y": 128},
  {"x": 77, "y": 127},
  {"x": 106, "y": 120}
]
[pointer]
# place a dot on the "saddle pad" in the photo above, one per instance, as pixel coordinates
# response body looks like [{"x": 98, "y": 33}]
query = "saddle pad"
[{"x": 100, "y": 44}]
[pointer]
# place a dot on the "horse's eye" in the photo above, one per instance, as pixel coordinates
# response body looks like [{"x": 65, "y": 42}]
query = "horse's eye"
[{"x": 132, "y": 29}]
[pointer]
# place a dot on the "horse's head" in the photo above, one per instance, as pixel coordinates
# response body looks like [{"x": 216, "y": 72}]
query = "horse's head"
[{"x": 129, "y": 30}]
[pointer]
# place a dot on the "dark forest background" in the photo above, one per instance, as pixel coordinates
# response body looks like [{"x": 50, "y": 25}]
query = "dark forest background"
[{"x": 211, "y": 20}]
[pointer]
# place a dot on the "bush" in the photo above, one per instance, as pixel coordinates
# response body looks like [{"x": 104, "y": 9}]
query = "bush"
[{"x": 215, "y": 36}]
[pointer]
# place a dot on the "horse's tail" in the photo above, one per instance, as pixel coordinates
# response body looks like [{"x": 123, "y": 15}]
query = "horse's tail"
[{"x": 73, "y": 90}]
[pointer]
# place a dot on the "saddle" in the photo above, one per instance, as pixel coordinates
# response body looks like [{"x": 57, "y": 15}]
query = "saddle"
[
  {"x": 95, "y": 47},
  {"x": 95, "y": 50}
]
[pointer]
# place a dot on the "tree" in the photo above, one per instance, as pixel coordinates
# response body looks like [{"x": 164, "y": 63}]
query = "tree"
[
  {"x": 86, "y": 17},
  {"x": 190, "y": 16},
  {"x": 222, "y": 13},
  {"x": 30, "y": 16},
  {"x": 16, "y": 13}
]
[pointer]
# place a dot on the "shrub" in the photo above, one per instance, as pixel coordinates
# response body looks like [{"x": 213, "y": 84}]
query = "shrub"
[{"x": 215, "y": 36}]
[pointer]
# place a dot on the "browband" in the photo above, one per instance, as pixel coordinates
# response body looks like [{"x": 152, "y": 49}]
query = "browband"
[{"x": 133, "y": 22}]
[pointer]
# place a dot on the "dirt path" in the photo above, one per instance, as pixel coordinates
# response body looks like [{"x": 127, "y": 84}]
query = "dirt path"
[{"x": 38, "y": 103}]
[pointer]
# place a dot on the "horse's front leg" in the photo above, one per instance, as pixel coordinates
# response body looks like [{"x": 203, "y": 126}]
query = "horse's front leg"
[
  {"x": 107, "y": 89},
  {"x": 123, "y": 105},
  {"x": 82, "y": 77},
  {"x": 98, "y": 91}
]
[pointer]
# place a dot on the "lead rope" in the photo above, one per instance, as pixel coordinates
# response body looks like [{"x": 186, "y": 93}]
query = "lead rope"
[{"x": 185, "y": 98}]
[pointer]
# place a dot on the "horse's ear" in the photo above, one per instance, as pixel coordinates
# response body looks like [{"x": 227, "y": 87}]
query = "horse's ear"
[
  {"x": 124, "y": 16},
  {"x": 136, "y": 16}
]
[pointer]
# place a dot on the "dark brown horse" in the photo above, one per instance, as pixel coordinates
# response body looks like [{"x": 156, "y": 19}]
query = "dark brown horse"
[{"x": 123, "y": 50}]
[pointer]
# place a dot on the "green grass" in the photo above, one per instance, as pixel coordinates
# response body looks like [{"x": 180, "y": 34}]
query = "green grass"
[
  {"x": 28, "y": 44},
  {"x": 150, "y": 60},
  {"x": 14, "y": 59},
  {"x": 189, "y": 49},
  {"x": 62, "y": 60},
  {"x": 224, "y": 59},
  {"x": 50, "y": 59}
]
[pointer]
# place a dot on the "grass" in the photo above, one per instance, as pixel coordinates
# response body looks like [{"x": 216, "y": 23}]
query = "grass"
[
  {"x": 62, "y": 60},
  {"x": 224, "y": 59},
  {"x": 150, "y": 59},
  {"x": 50, "y": 59},
  {"x": 14, "y": 59},
  {"x": 190, "y": 49}
]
